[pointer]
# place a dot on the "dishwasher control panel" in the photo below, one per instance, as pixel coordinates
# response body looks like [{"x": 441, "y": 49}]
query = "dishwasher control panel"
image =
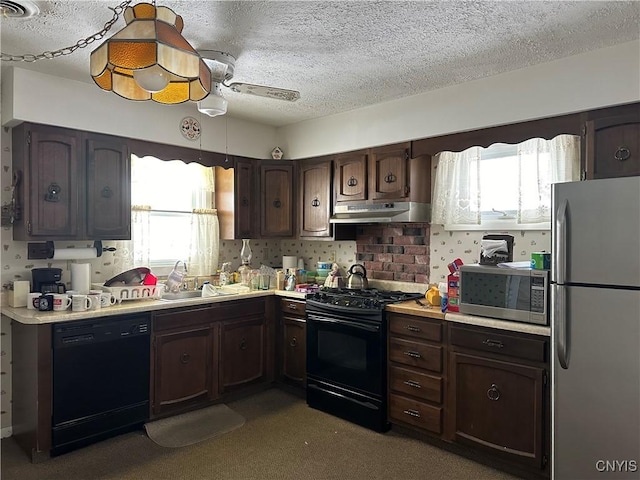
[{"x": 103, "y": 329}]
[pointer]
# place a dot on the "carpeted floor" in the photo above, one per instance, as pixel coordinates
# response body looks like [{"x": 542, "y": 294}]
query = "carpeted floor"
[{"x": 282, "y": 439}]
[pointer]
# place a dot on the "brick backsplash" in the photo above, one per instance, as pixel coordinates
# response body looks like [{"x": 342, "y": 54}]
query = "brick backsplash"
[{"x": 394, "y": 251}]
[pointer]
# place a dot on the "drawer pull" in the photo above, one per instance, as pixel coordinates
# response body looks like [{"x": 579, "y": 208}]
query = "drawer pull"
[
  {"x": 622, "y": 153},
  {"x": 493, "y": 343},
  {"x": 292, "y": 306},
  {"x": 243, "y": 344},
  {"x": 493, "y": 393},
  {"x": 293, "y": 342},
  {"x": 413, "y": 354},
  {"x": 412, "y": 384},
  {"x": 184, "y": 358},
  {"x": 413, "y": 413},
  {"x": 411, "y": 328}
]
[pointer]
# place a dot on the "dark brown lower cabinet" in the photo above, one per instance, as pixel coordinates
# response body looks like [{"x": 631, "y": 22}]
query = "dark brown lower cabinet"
[
  {"x": 293, "y": 338},
  {"x": 499, "y": 394},
  {"x": 242, "y": 359},
  {"x": 184, "y": 347}
]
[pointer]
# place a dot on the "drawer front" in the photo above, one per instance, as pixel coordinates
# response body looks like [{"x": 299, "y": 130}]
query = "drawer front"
[
  {"x": 415, "y": 354},
  {"x": 182, "y": 318},
  {"x": 494, "y": 342},
  {"x": 416, "y": 384},
  {"x": 293, "y": 307},
  {"x": 416, "y": 327},
  {"x": 415, "y": 413}
]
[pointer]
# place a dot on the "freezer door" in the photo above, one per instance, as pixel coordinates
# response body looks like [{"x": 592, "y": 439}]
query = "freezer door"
[
  {"x": 596, "y": 232},
  {"x": 596, "y": 400}
]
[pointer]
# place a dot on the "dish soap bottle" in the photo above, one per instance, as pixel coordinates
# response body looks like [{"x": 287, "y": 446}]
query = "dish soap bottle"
[
  {"x": 224, "y": 274},
  {"x": 245, "y": 257}
]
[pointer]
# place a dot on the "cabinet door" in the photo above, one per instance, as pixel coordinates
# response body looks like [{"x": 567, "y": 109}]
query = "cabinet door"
[
  {"x": 294, "y": 350},
  {"x": 108, "y": 188},
  {"x": 315, "y": 197},
  {"x": 613, "y": 146},
  {"x": 499, "y": 405},
  {"x": 388, "y": 172},
  {"x": 244, "y": 198},
  {"x": 52, "y": 184},
  {"x": 183, "y": 363},
  {"x": 242, "y": 353},
  {"x": 350, "y": 176},
  {"x": 276, "y": 210}
]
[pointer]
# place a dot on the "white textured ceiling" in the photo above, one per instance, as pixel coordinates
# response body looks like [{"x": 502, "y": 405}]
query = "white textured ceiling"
[{"x": 345, "y": 55}]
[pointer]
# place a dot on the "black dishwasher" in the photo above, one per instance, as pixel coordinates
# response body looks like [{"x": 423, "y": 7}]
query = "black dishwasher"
[{"x": 100, "y": 379}]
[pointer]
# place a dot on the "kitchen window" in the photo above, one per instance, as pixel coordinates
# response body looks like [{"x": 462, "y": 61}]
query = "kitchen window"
[
  {"x": 503, "y": 187},
  {"x": 172, "y": 216}
]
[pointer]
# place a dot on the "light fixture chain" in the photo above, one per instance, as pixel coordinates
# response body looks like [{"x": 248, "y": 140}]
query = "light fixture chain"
[{"x": 82, "y": 43}]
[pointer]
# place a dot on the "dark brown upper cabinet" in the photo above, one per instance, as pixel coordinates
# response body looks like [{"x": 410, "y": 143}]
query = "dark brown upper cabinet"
[
  {"x": 612, "y": 146},
  {"x": 277, "y": 210},
  {"x": 72, "y": 185},
  {"x": 315, "y": 198},
  {"x": 350, "y": 176}
]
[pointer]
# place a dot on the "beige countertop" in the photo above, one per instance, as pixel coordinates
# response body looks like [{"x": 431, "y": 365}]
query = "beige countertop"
[{"x": 410, "y": 307}]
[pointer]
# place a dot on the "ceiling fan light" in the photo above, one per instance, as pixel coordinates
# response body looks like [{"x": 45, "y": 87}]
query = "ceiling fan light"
[
  {"x": 213, "y": 105},
  {"x": 155, "y": 57}
]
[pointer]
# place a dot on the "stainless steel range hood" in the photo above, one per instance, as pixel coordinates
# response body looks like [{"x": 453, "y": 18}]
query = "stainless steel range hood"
[{"x": 393, "y": 212}]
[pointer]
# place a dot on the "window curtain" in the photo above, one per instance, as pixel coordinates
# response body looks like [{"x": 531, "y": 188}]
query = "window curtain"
[
  {"x": 456, "y": 196},
  {"x": 135, "y": 252},
  {"x": 205, "y": 242}
]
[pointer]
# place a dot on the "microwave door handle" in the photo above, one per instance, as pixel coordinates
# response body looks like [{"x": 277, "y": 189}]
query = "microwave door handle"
[
  {"x": 560, "y": 324},
  {"x": 559, "y": 264}
]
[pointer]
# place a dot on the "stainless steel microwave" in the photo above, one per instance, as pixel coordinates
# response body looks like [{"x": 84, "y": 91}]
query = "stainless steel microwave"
[{"x": 520, "y": 295}]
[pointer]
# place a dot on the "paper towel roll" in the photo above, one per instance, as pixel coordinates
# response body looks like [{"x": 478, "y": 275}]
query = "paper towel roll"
[
  {"x": 81, "y": 277},
  {"x": 289, "y": 261},
  {"x": 74, "y": 253}
]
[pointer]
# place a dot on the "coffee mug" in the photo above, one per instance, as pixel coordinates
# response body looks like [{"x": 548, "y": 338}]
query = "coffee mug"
[
  {"x": 30, "y": 298},
  {"x": 107, "y": 299},
  {"x": 43, "y": 302},
  {"x": 80, "y": 303},
  {"x": 61, "y": 301},
  {"x": 96, "y": 300}
]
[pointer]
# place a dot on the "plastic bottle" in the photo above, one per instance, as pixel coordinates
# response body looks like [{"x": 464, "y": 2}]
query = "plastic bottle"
[{"x": 444, "y": 297}]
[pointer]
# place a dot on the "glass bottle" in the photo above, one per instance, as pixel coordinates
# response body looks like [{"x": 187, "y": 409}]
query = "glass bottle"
[{"x": 245, "y": 257}]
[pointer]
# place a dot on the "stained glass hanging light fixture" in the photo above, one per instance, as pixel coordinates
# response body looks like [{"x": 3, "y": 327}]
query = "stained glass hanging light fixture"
[{"x": 149, "y": 59}]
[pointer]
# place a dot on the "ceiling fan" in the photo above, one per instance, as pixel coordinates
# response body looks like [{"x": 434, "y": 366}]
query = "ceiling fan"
[{"x": 222, "y": 66}]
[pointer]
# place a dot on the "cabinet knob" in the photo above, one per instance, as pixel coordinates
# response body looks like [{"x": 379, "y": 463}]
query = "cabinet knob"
[
  {"x": 390, "y": 178},
  {"x": 277, "y": 203},
  {"x": 293, "y": 342},
  {"x": 244, "y": 202},
  {"x": 493, "y": 393},
  {"x": 184, "y": 358},
  {"x": 315, "y": 202},
  {"x": 352, "y": 182},
  {"x": 53, "y": 193},
  {"x": 622, "y": 153},
  {"x": 243, "y": 344},
  {"x": 106, "y": 192}
]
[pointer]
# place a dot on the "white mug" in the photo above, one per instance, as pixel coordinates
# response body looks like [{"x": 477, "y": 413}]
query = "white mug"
[
  {"x": 107, "y": 299},
  {"x": 96, "y": 300},
  {"x": 61, "y": 301},
  {"x": 30, "y": 298},
  {"x": 80, "y": 303}
]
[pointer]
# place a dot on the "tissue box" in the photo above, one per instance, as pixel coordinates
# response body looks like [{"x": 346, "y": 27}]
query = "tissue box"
[
  {"x": 499, "y": 257},
  {"x": 541, "y": 261}
]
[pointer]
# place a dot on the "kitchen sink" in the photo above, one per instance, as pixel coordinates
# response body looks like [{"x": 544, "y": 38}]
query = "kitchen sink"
[{"x": 182, "y": 295}]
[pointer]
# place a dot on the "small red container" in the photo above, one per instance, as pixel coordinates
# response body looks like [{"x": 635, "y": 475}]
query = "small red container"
[{"x": 150, "y": 279}]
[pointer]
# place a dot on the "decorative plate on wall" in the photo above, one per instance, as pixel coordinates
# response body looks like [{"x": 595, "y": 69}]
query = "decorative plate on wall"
[{"x": 190, "y": 128}]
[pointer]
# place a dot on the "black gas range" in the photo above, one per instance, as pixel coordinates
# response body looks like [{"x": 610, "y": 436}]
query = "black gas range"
[
  {"x": 347, "y": 353},
  {"x": 357, "y": 300}
]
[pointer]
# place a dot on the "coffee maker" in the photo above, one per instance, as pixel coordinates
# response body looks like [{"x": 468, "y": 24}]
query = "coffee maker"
[{"x": 47, "y": 280}]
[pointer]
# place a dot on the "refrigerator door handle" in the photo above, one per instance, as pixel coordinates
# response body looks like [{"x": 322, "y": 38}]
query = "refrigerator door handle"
[
  {"x": 560, "y": 325},
  {"x": 559, "y": 263}
]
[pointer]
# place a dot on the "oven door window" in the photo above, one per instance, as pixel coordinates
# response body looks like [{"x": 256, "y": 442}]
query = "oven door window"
[{"x": 345, "y": 352}]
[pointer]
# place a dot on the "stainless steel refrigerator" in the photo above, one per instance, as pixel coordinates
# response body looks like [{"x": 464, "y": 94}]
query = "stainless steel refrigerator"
[{"x": 595, "y": 276}]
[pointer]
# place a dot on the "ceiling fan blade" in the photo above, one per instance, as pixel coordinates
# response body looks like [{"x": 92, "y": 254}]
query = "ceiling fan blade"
[{"x": 264, "y": 91}]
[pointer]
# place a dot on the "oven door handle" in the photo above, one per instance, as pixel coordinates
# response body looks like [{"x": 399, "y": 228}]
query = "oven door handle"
[{"x": 360, "y": 326}]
